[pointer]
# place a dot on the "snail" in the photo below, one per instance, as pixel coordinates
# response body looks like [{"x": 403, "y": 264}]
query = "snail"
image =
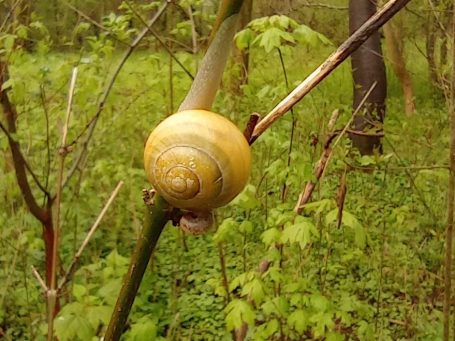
[{"x": 197, "y": 160}]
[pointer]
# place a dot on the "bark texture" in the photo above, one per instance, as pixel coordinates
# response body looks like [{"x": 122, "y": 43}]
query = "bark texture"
[
  {"x": 367, "y": 68},
  {"x": 394, "y": 42}
]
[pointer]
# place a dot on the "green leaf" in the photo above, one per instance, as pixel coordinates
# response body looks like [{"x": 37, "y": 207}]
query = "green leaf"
[
  {"x": 272, "y": 38},
  {"x": 349, "y": 220},
  {"x": 319, "y": 206},
  {"x": 298, "y": 320},
  {"x": 247, "y": 198},
  {"x": 79, "y": 291},
  {"x": 366, "y": 160},
  {"x": 323, "y": 321},
  {"x": 237, "y": 313},
  {"x": 244, "y": 38},
  {"x": 306, "y": 36},
  {"x": 227, "y": 231},
  {"x": 319, "y": 303},
  {"x": 246, "y": 226},
  {"x": 300, "y": 233},
  {"x": 271, "y": 236},
  {"x": 254, "y": 289},
  {"x": 143, "y": 329},
  {"x": 98, "y": 315},
  {"x": 71, "y": 323}
]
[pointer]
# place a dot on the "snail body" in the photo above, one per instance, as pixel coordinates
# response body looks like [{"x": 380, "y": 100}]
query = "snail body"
[{"x": 197, "y": 160}]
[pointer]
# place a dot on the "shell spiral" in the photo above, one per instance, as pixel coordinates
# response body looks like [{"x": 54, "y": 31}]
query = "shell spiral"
[{"x": 197, "y": 160}]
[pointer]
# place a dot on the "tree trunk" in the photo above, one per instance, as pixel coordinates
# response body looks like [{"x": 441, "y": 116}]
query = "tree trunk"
[
  {"x": 367, "y": 68},
  {"x": 245, "y": 17},
  {"x": 394, "y": 43},
  {"x": 242, "y": 57},
  {"x": 430, "y": 49}
]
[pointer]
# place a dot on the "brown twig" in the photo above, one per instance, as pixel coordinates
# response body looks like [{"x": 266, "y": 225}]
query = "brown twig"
[
  {"x": 305, "y": 195},
  {"x": 331, "y": 63},
  {"x": 250, "y": 125},
  {"x": 10, "y": 12},
  {"x": 319, "y": 171},
  {"x": 72, "y": 268},
  {"x": 52, "y": 294},
  {"x": 39, "y": 279},
  {"x": 157, "y": 37},
  {"x": 11, "y": 140},
  {"x": 20, "y": 165},
  {"x": 450, "y": 204}
]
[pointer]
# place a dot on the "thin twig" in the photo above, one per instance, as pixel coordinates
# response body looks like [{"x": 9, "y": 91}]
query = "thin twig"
[
  {"x": 319, "y": 171},
  {"x": 72, "y": 268},
  {"x": 438, "y": 20},
  {"x": 11, "y": 11},
  {"x": 450, "y": 203},
  {"x": 90, "y": 127},
  {"x": 417, "y": 189},
  {"x": 403, "y": 168},
  {"x": 48, "y": 147},
  {"x": 51, "y": 297},
  {"x": 324, "y": 6},
  {"x": 39, "y": 279},
  {"x": 331, "y": 63},
  {"x": 25, "y": 162},
  {"x": 95, "y": 23},
  {"x": 157, "y": 37}
]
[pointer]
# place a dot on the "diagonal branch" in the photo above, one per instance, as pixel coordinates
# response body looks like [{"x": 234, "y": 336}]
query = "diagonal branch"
[
  {"x": 27, "y": 166},
  {"x": 330, "y": 64},
  {"x": 157, "y": 37},
  {"x": 95, "y": 23},
  {"x": 20, "y": 165}
]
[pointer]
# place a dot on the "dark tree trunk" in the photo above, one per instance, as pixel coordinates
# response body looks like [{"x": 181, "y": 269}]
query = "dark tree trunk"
[
  {"x": 430, "y": 49},
  {"x": 245, "y": 18},
  {"x": 367, "y": 68}
]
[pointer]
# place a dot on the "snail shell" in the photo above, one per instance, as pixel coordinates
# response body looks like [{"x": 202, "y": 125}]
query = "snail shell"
[{"x": 197, "y": 160}]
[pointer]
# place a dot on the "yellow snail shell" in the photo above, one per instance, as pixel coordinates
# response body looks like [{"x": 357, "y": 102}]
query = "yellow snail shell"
[{"x": 197, "y": 160}]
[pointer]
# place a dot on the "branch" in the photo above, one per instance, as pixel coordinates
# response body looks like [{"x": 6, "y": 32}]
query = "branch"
[
  {"x": 331, "y": 63},
  {"x": 27, "y": 166},
  {"x": 208, "y": 78},
  {"x": 20, "y": 166},
  {"x": 11, "y": 11},
  {"x": 157, "y": 37},
  {"x": 95, "y": 23},
  {"x": 155, "y": 220},
  {"x": 72, "y": 268},
  {"x": 319, "y": 171},
  {"x": 324, "y": 6},
  {"x": 92, "y": 124}
]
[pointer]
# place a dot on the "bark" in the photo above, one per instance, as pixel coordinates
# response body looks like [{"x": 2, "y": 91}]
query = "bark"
[
  {"x": 430, "y": 50},
  {"x": 242, "y": 57},
  {"x": 394, "y": 43},
  {"x": 450, "y": 205},
  {"x": 367, "y": 68}
]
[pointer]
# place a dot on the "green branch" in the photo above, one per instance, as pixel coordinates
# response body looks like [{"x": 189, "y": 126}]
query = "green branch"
[
  {"x": 200, "y": 96},
  {"x": 207, "y": 81},
  {"x": 155, "y": 220}
]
